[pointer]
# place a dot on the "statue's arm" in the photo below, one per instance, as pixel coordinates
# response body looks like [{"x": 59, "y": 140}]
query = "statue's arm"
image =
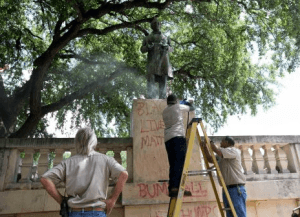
[
  {"x": 144, "y": 47},
  {"x": 170, "y": 47}
]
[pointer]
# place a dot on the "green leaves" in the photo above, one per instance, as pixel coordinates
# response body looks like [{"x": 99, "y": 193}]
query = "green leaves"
[{"x": 212, "y": 63}]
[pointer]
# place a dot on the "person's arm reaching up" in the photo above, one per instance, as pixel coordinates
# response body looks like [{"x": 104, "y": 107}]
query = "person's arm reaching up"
[
  {"x": 215, "y": 149},
  {"x": 111, "y": 201},
  {"x": 206, "y": 152}
]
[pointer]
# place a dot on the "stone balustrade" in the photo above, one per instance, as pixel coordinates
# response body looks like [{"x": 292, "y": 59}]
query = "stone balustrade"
[
  {"x": 268, "y": 157},
  {"x": 22, "y": 173},
  {"x": 263, "y": 158}
]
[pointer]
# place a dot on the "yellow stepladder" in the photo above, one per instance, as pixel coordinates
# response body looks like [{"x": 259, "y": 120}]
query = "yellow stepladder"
[{"x": 176, "y": 202}]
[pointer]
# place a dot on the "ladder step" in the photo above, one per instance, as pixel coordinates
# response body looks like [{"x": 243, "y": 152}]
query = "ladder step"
[
  {"x": 226, "y": 209},
  {"x": 200, "y": 172},
  {"x": 163, "y": 180},
  {"x": 194, "y": 120}
]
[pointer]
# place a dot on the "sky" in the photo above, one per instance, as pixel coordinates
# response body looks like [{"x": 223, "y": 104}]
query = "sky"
[{"x": 281, "y": 119}]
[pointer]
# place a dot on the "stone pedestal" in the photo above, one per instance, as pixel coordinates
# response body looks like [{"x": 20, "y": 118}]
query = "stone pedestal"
[{"x": 150, "y": 161}]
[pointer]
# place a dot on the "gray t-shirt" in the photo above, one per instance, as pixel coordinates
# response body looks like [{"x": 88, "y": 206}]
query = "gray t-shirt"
[
  {"x": 86, "y": 178},
  {"x": 172, "y": 116},
  {"x": 231, "y": 166}
]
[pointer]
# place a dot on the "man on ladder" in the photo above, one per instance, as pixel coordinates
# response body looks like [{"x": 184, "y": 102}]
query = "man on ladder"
[
  {"x": 229, "y": 160},
  {"x": 175, "y": 142}
]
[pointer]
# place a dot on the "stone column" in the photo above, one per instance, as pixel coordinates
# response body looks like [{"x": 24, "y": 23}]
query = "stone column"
[
  {"x": 117, "y": 156},
  {"x": 293, "y": 160},
  {"x": 246, "y": 159},
  {"x": 58, "y": 156},
  {"x": 258, "y": 160},
  {"x": 9, "y": 167},
  {"x": 26, "y": 168},
  {"x": 43, "y": 162},
  {"x": 270, "y": 160},
  {"x": 281, "y": 160}
]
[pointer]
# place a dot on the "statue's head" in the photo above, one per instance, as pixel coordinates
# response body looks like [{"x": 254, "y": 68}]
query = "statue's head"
[{"x": 155, "y": 24}]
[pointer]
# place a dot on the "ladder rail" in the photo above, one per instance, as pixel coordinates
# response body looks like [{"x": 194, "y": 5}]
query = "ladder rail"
[
  {"x": 211, "y": 177},
  {"x": 176, "y": 210}
]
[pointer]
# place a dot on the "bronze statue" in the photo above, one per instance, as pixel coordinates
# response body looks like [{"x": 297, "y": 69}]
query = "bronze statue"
[{"x": 158, "y": 66}]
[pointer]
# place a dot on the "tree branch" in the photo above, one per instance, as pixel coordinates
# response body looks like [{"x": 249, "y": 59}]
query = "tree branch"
[
  {"x": 100, "y": 83},
  {"x": 186, "y": 72},
  {"x": 106, "y": 30},
  {"x": 35, "y": 117},
  {"x": 76, "y": 56},
  {"x": 57, "y": 29},
  {"x": 109, "y": 7},
  {"x": 28, "y": 30},
  {"x": 79, "y": 7},
  {"x": 137, "y": 27}
]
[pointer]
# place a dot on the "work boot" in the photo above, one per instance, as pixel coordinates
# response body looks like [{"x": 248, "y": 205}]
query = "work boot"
[{"x": 174, "y": 192}]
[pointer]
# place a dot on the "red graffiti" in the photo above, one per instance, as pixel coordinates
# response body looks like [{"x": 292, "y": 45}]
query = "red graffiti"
[
  {"x": 186, "y": 213},
  {"x": 154, "y": 191},
  {"x": 151, "y": 141},
  {"x": 140, "y": 108},
  {"x": 197, "y": 211},
  {"x": 160, "y": 213},
  {"x": 151, "y": 125},
  {"x": 148, "y": 109},
  {"x": 196, "y": 189},
  {"x": 202, "y": 211}
]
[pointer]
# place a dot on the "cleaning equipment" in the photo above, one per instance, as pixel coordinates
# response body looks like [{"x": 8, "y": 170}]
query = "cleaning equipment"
[
  {"x": 176, "y": 202},
  {"x": 295, "y": 214}
]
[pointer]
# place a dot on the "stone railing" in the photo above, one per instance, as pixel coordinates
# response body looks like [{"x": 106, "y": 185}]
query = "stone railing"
[
  {"x": 22, "y": 173},
  {"x": 268, "y": 157}
]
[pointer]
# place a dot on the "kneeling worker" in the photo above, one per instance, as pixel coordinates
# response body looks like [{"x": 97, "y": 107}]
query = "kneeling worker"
[
  {"x": 229, "y": 160},
  {"x": 175, "y": 142}
]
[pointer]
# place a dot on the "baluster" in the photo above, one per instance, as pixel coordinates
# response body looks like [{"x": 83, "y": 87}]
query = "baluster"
[
  {"x": 270, "y": 160},
  {"x": 258, "y": 160},
  {"x": 117, "y": 156},
  {"x": 34, "y": 174},
  {"x": 19, "y": 167},
  {"x": 58, "y": 156},
  {"x": 246, "y": 159},
  {"x": 281, "y": 160},
  {"x": 42, "y": 166},
  {"x": 26, "y": 168},
  {"x": 291, "y": 154}
]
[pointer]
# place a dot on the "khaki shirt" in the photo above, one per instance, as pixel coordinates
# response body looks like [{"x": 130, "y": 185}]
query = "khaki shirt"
[
  {"x": 231, "y": 166},
  {"x": 172, "y": 116},
  {"x": 86, "y": 178}
]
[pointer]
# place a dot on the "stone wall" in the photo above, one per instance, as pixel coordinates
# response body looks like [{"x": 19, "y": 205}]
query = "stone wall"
[{"x": 271, "y": 164}]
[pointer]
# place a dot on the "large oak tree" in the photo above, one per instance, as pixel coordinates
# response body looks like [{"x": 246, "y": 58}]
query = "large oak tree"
[{"x": 85, "y": 58}]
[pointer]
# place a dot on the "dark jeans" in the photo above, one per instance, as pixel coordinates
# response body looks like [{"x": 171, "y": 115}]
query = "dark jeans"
[
  {"x": 238, "y": 197},
  {"x": 176, "y": 149}
]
